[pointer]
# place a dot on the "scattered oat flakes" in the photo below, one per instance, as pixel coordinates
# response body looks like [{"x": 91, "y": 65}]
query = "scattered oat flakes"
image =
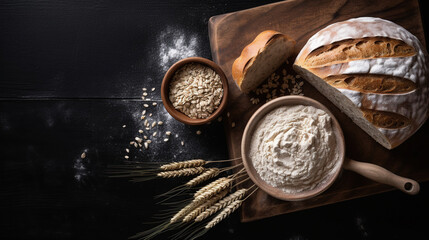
[
  {"x": 83, "y": 155},
  {"x": 145, "y": 105},
  {"x": 233, "y": 124},
  {"x": 140, "y": 131},
  {"x": 154, "y": 103},
  {"x": 154, "y": 134},
  {"x": 139, "y": 140},
  {"x": 165, "y": 139},
  {"x": 168, "y": 133},
  {"x": 146, "y": 145},
  {"x": 124, "y": 126},
  {"x": 182, "y": 143},
  {"x": 160, "y": 123},
  {"x": 126, "y": 157},
  {"x": 145, "y": 94},
  {"x": 144, "y": 89},
  {"x": 127, "y": 150},
  {"x": 198, "y": 132}
]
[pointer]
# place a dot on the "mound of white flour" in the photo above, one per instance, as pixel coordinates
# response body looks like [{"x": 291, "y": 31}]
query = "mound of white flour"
[{"x": 293, "y": 148}]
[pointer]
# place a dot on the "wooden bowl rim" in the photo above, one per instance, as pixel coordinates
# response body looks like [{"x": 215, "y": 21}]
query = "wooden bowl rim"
[
  {"x": 248, "y": 133},
  {"x": 165, "y": 91}
]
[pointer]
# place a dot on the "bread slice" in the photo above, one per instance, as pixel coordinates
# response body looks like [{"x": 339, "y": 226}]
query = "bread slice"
[
  {"x": 375, "y": 71},
  {"x": 261, "y": 58}
]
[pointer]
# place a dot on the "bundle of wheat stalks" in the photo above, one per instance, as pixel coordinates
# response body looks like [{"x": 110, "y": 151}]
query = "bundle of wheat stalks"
[{"x": 198, "y": 215}]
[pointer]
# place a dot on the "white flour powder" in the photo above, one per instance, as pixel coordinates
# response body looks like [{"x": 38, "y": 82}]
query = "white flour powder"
[
  {"x": 175, "y": 44},
  {"x": 293, "y": 148}
]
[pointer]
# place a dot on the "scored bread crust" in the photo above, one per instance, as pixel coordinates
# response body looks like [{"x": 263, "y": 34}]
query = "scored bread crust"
[
  {"x": 412, "y": 105},
  {"x": 249, "y": 53}
]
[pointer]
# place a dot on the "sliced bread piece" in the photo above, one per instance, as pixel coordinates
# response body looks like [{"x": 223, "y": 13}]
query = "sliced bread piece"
[{"x": 261, "y": 58}]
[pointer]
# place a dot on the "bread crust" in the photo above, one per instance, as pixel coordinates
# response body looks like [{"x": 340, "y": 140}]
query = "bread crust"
[{"x": 248, "y": 54}]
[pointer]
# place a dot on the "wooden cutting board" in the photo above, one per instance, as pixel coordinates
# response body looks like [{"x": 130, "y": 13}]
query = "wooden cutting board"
[{"x": 300, "y": 19}]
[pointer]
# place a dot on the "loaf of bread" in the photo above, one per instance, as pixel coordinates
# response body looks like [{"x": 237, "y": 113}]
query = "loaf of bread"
[
  {"x": 261, "y": 58},
  {"x": 375, "y": 71}
]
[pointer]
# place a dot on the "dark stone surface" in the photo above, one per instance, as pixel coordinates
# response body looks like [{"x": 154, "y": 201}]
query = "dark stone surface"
[{"x": 71, "y": 75}]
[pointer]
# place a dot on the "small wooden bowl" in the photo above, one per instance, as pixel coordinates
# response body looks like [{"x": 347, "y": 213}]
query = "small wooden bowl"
[
  {"x": 248, "y": 133},
  {"x": 165, "y": 90}
]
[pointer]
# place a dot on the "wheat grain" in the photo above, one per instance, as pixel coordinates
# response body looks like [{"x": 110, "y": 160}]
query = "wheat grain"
[
  {"x": 183, "y": 164},
  {"x": 237, "y": 195},
  {"x": 181, "y": 172},
  {"x": 210, "y": 173},
  {"x": 225, "y": 213},
  {"x": 222, "y": 185},
  {"x": 197, "y": 211}
]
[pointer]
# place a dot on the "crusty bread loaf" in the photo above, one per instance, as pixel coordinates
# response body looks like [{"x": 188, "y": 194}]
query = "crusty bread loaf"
[
  {"x": 261, "y": 58},
  {"x": 374, "y": 71}
]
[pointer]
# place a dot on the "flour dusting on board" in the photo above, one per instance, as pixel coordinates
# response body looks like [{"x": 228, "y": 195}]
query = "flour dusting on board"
[{"x": 175, "y": 44}]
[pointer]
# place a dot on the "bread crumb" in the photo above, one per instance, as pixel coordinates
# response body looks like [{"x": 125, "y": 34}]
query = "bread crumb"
[{"x": 83, "y": 155}]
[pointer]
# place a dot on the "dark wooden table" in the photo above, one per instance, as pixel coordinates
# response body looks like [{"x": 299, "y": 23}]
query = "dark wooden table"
[{"x": 71, "y": 75}]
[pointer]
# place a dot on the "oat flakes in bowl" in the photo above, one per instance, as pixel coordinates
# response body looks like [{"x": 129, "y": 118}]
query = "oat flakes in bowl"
[{"x": 194, "y": 90}]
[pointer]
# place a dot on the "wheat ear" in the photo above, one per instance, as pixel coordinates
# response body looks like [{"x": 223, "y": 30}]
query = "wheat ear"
[
  {"x": 188, "y": 208},
  {"x": 181, "y": 172},
  {"x": 224, "y": 213},
  {"x": 221, "y": 185},
  {"x": 210, "y": 173},
  {"x": 209, "y": 186},
  {"x": 182, "y": 164},
  {"x": 237, "y": 195},
  {"x": 194, "y": 213}
]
